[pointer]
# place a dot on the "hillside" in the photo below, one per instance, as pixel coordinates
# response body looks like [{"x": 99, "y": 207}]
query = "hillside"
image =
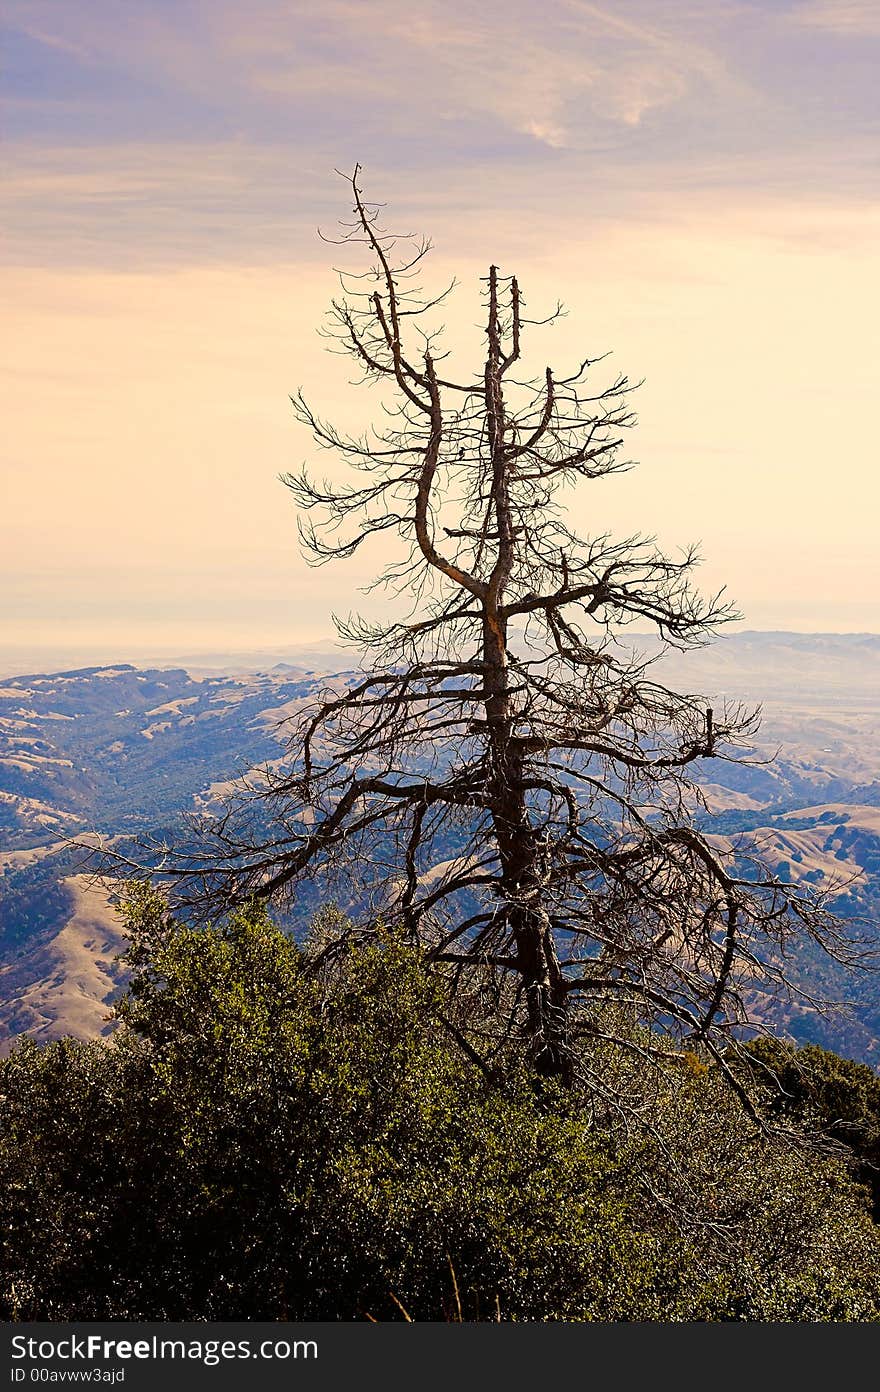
[
  {"x": 102, "y": 753},
  {"x": 115, "y": 751},
  {"x": 66, "y": 982}
]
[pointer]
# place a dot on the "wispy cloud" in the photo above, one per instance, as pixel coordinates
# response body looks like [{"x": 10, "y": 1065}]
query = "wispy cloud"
[
  {"x": 56, "y": 41},
  {"x": 442, "y": 83},
  {"x": 546, "y": 75},
  {"x": 146, "y": 205},
  {"x": 854, "y": 18}
]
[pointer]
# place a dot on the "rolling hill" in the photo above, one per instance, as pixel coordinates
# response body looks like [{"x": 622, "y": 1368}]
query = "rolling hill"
[{"x": 110, "y": 752}]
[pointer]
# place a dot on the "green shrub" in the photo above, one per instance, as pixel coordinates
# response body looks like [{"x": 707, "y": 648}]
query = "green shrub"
[{"x": 259, "y": 1141}]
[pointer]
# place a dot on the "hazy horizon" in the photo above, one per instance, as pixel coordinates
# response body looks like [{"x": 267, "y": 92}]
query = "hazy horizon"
[{"x": 36, "y": 659}]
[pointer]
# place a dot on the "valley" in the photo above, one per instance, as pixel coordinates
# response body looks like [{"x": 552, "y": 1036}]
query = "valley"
[{"x": 102, "y": 754}]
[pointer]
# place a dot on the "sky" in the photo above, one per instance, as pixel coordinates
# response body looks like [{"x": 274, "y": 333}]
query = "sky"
[{"x": 697, "y": 181}]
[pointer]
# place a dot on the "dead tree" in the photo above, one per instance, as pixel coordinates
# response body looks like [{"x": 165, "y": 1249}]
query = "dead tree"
[{"x": 512, "y": 782}]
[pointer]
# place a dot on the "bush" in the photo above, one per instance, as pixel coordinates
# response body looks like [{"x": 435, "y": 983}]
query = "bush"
[{"x": 259, "y": 1141}]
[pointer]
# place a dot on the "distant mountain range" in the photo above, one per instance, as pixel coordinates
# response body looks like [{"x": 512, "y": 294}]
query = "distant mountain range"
[
  {"x": 119, "y": 750},
  {"x": 327, "y": 655}
]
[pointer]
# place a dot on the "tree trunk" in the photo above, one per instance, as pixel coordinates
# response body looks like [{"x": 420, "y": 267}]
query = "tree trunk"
[{"x": 521, "y": 881}]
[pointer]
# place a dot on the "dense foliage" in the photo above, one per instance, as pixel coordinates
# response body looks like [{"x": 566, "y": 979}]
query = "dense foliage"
[
  {"x": 837, "y": 1096},
  {"x": 260, "y": 1140}
]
